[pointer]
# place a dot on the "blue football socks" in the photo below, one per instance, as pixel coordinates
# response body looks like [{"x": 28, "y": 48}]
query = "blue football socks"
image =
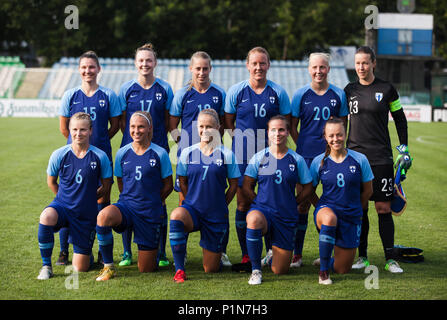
[
  {"x": 326, "y": 245},
  {"x": 164, "y": 233},
  {"x": 177, "y": 240},
  {"x": 241, "y": 230},
  {"x": 63, "y": 239},
  {"x": 105, "y": 240},
  {"x": 45, "y": 236},
  {"x": 254, "y": 247},
  {"x": 300, "y": 233},
  {"x": 127, "y": 240}
]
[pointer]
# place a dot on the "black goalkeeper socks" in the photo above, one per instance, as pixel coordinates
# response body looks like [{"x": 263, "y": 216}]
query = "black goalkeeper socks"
[
  {"x": 363, "y": 246},
  {"x": 386, "y": 231}
]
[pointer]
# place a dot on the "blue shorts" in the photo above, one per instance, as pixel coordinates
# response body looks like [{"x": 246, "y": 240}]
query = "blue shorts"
[
  {"x": 81, "y": 232},
  {"x": 282, "y": 233},
  {"x": 146, "y": 232},
  {"x": 212, "y": 234},
  {"x": 348, "y": 231}
]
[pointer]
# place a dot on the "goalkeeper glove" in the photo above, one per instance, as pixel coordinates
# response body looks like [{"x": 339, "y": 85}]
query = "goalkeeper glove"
[{"x": 403, "y": 159}]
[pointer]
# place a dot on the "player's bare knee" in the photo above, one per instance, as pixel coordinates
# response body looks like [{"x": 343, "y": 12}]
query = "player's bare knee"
[
  {"x": 383, "y": 207},
  {"x": 103, "y": 219},
  {"x": 210, "y": 269},
  {"x": 280, "y": 270},
  {"x": 48, "y": 217},
  {"x": 177, "y": 214},
  {"x": 327, "y": 217},
  {"x": 254, "y": 220},
  {"x": 146, "y": 268},
  {"x": 343, "y": 269},
  {"x": 79, "y": 267}
]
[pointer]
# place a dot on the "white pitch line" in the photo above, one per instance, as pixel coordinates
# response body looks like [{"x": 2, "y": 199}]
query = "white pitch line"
[{"x": 424, "y": 139}]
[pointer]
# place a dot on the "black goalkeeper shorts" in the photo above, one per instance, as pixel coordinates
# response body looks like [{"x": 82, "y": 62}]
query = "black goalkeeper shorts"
[{"x": 383, "y": 183}]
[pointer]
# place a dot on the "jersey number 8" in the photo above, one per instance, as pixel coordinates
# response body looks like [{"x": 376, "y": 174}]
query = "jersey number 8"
[{"x": 340, "y": 180}]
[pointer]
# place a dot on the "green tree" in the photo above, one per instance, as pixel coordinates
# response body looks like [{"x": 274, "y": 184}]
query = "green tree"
[{"x": 226, "y": 29}]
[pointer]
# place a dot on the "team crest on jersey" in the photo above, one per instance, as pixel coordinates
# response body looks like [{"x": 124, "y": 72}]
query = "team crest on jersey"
[
  {"x": 93, "y": 165},
  {"x": 219, "y": 162},
  {"x": 158, "y": 96},
  {"x": 272, "y": 100},
  {"x": 215, "y": 99},
  {"x": 333, "y": 102},
  {"x": 379, "y": 96},
  {"x": 291, "y": 167},
  {"x": 152, "y": 162},
  {"x": 352, "y": 169},
  {"x": 102, "y": 103}
]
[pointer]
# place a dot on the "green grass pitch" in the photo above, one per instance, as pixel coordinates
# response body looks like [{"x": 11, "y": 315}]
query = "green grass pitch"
[{"x": 25, "y": 147}]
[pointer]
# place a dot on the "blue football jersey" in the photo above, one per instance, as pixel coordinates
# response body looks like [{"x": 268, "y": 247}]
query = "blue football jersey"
[
  {"x": 142, "y": 177},
  {"x": 207, "y": 180},
  {"x": 313, "y": 111},
  {"x": 342, "y": 182},
  {"x": 277, "y": 179},
  {"x": 79, "y": 179},
  {"x": 101, "y": 106},
  {"x": 155, "y": 100},
  {"x": 187, "y": 105},
  {"x": 253, "y": 111}
]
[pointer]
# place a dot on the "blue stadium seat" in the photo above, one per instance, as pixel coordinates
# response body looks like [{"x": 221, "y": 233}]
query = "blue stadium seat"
[{"x": 291, "y": 74}]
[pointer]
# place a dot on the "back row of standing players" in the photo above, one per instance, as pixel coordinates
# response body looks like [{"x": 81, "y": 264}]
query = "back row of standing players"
[{"x": 249, "y": 105}]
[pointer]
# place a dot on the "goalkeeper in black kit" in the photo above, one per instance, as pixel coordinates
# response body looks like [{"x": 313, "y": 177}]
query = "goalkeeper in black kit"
[{"x": 370, "y": 100}]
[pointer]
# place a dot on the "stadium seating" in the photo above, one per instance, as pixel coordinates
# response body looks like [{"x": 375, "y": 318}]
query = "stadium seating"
[
  {"x": 10, "y": 75},
  {"x": 16, "y": 81},
  {"x": 115, "y": 71}
]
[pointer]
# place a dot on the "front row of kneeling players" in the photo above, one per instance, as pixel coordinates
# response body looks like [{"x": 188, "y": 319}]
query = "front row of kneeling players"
[{"x": 204, "y": 171}]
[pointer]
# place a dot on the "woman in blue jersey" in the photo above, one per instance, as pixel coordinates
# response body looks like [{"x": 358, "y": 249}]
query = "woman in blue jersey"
[
  {"x": 204, "y": 170},
  {"x": 279, "y": 172},
  {"x": 198, "y": 95},
  {"x": 144, "y": 176},
  {"x": 154, "y": 95},
  {"x": 79, "y": 167},
  {"x": 102, "y": 105},
  {"x": 346, "y": 178},
  {"x": 312, "y": 105},
  {"x": 248, "y": 107}
]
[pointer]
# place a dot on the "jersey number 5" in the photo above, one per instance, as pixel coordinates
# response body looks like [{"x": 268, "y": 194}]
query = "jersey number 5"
[{"x": 138, "y": 173}]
